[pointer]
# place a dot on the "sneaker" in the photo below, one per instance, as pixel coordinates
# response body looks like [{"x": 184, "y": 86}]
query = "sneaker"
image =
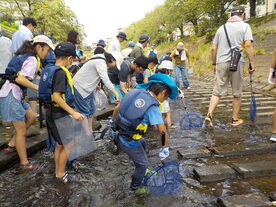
[
  {"x": 29, "y": 166},
  {"x": 173, "y": 126},
  {"x": 9, "y": 149},
  {"x": 273, "y": 137},
  {"x": 64, "y": 178},
  {"x": 209, "y": 121},
  {"x": 140, "y": 190},
  {"x": 236, "y": 122}
]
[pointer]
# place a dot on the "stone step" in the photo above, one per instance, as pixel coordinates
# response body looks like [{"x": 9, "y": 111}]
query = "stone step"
[
  {"x": 191, "y": 153},
  {"x": 263, "y": 114},
  {"x": 241, "y": 150},
  {"x": 202, "y": 97},
  {"x": 245, "y": 94},
  {"x": 214, "y": 173},
  {"x": 264, "y": 103},
  {"x": 258, "y": 99},
  {"x": 248, "y": 200},
  {"x": 34, "y": 144},
  {"x": 256, "y": 169},
  {"x": 261, "y": 108}
]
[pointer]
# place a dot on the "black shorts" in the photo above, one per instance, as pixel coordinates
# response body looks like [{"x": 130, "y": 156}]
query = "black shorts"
[{"x": 51, "y": 115}]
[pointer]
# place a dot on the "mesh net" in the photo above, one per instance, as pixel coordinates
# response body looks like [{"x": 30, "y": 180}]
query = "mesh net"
[
  {"x": 191, "y": 120},
  {"x": 253, "y": 108},
  {"x": 75, "y": 137},
  {"x": 164, "y": 179}
]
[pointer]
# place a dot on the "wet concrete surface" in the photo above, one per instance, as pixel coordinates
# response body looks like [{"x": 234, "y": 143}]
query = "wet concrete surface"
[{"x": 102, "y": 179}]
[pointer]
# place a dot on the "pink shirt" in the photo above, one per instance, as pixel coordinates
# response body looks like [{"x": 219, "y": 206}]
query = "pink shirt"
[{"x": 28, "y": 70}]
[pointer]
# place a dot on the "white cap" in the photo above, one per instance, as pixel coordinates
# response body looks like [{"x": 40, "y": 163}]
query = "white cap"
[
  {"x": 166, "y": 64},
  {"x": 180, "y": 46},
  {"x": 44, "y": 39}
]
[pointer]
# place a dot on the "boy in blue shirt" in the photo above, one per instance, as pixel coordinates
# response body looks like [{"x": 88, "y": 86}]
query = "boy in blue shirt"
[{"x": 138, "y": 109}]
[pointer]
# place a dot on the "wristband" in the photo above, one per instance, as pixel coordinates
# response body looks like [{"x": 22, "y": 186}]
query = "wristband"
[{"x": 214, "y": 64}]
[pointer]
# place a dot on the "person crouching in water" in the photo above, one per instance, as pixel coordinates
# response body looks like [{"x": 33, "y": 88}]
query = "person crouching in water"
[
  {"x": 17, "y": 78},
  {"x": 60, "y": 94},
  {"x": 138, "y": 109},
  {"x": 166, "y": 67}
]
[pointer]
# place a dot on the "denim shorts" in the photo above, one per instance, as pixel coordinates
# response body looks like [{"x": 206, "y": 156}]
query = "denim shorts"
[
  {"x": 86, "y": 105},
  {"x": 13, "y": 109}
]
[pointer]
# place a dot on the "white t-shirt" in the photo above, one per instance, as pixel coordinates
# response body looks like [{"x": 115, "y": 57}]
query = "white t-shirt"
[
  {"x": 90, "y": 75},
  {"x": 126, "y": 52},
  {"x": 114, "y": 46},
  {"x": 237, "y": 32},
  {"x": 5, "y": 53}
]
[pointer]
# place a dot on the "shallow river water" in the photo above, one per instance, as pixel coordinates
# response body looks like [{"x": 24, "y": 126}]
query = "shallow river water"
[{"x": 102, "y": 179}]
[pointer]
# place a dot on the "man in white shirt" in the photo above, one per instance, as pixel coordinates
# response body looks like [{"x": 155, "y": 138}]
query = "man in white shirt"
[
  {"x": 115, "y": 45},
  {"x": 240, "y": 36},
  {"x": 25, "y": 32},
  {"x": 87, "y": 79},
  {"x": 5, "y": 51}
]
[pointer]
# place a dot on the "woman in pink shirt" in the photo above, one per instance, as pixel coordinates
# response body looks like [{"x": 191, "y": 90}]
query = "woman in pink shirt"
[{"x": 19, "y": 73}]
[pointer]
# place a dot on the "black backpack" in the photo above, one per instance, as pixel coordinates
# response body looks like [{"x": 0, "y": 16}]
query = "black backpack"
[{"x": 75, "y": 68}]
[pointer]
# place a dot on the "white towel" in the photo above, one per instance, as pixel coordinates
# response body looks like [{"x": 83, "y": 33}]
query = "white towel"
[{"x": 183, "y": 55}]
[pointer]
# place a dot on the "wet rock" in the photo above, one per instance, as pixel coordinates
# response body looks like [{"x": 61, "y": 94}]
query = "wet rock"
[
  {"x": 256, "y": 169},
  {"x": 191, "y": 153},
  {"x": 105, "y": 113},
  {"x": 33, "y": 131},
  {"x": 214, "y": 173},
  {"x": 273, "y": 196},
  {"x": 249, "y": 200},
  {"x": 99, "y": 168},
  {"x": 96, "y": 124}
]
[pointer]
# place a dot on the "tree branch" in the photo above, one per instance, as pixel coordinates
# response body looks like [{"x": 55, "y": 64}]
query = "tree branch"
[{"x": 20, "y": 9}]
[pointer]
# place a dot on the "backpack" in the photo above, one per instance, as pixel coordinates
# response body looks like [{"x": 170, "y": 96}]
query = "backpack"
[
  {"x": 75, "y": 68},
  {"x": 45, "y": 83}
]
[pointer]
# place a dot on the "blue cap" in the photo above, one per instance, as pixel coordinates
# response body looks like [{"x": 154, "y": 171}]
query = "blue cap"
[
  {"x": 122, "y": 35},
  {"x": 161, "y": 78},
  {"x": 131, "y": 44}
]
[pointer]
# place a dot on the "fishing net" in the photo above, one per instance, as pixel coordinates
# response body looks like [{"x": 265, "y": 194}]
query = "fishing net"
[
  {"x": 253, "y": 108},
  {"x": 75, "y": 137},
  {"x": 191, "y": 120},
  {"x": 164, "y": 179}
]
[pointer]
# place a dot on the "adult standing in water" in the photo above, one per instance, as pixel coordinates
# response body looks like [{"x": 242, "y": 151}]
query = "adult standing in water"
[
  {"x": 180, "y": 57},
  {"x": 273, "y": 66},
  {"x": 239, "y": 34}
]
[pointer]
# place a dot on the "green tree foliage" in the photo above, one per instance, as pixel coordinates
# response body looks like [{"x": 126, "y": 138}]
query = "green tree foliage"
[
  {"x": 205, "y": 16},
  {"x": 53, "y": 16}
]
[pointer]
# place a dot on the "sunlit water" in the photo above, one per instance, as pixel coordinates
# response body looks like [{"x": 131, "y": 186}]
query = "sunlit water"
[{"x": 102, "y": 179}]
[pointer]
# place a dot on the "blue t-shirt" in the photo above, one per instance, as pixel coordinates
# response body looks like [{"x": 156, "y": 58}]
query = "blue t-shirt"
[{"x": 153, "y": 116}]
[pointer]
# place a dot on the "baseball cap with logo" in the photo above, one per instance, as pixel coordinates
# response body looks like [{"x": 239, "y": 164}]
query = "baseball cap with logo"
[
  {"x": 44, "y": 39},
  {"x": 65, "y": 49}
]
